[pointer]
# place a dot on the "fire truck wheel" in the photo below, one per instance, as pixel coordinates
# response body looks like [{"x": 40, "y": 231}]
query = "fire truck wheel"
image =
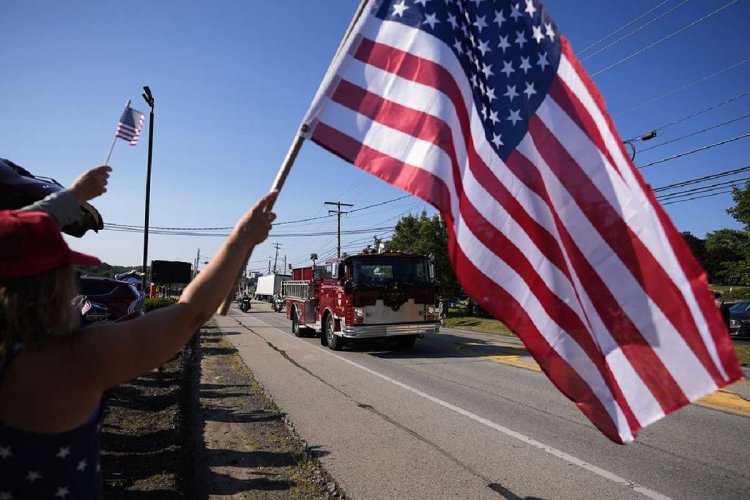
[
  {"x": 334, "y": 342},
  {"x": 296, "y": 330}
]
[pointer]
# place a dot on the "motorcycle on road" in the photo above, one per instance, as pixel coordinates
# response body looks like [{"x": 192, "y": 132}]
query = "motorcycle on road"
[
  {"x": 245, "y": 304},
  {"x": 278, "y": 304}
]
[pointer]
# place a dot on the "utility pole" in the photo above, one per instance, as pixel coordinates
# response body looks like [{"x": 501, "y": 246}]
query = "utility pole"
[
  {"x": 197, "y": 262},
  {"x": 284, "y": 265},
  {"x": 338, "y": 213},
  {"x": 276, "y": 257}
]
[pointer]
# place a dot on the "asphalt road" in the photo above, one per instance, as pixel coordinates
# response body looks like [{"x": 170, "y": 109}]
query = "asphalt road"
[{"x": 466, "y": 416}]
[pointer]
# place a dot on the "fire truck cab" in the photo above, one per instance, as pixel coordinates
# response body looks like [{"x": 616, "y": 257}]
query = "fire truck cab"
[{"x": 367, "y": 295}]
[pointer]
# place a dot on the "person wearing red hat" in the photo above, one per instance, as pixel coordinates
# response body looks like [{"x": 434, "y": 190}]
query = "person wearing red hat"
[{"x": 52, "y": 374}]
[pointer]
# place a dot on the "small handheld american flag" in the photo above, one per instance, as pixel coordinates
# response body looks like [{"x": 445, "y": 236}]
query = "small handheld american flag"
[{"x": 129, "y": 127}]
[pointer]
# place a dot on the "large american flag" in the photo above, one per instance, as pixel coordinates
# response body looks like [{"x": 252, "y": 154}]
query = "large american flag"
[
  {"x": 480, "y": 108},
  {"x": 129, "y": 127}
]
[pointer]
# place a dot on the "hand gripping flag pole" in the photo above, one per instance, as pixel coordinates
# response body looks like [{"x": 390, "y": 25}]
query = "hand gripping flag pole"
[{"x": 291, "y": 154}]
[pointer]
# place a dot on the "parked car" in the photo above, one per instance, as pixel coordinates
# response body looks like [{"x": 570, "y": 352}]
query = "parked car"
[
  {"x": 19, "y": 188},
  {"x": 107, "y": 299},
  {"x": 739, "y": 320}
]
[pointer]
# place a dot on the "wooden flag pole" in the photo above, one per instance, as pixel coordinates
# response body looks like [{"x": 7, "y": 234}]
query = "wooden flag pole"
[
  {"x": 291, "y": 155},
  {"x": 114, "y": 139}
]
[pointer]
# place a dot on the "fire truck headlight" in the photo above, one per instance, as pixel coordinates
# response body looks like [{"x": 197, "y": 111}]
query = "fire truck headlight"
[
  {"x": 430, "y": 313},
  {"x": 359, "y": 315}
]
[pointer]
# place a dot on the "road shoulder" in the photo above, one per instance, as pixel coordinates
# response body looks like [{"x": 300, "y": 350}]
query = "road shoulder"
[{"x": 247, "y": 448}]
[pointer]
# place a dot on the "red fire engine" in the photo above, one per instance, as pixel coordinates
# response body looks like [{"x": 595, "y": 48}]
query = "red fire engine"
[{"x": 362, "y": 296}]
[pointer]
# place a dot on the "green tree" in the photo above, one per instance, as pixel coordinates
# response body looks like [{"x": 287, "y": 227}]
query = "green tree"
[
  {"x": 427, "y": 236},
  {"x": 741, "y": 209},
  {"x": 698, "y": 247},
  {"x": 731, "y": 248},
  {"x": 727, "y": 256}
]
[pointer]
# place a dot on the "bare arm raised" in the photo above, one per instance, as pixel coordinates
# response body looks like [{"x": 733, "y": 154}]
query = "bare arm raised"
[{"x": 108, "y": 355}]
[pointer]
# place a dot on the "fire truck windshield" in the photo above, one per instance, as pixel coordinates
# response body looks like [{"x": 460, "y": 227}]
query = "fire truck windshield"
[{"x": 382, "y": 271}]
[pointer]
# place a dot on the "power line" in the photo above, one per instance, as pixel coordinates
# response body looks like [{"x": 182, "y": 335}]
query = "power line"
[
  {"x": 272, "y": 235},
  {"x": 686, "y": 86},
  {"x": 621, "y": 28},
  {"x": 171, "y": 228},
  {"x": 694, "y": 133},
  {"x": 693, "y": 115},
  {"x": 710, "y": 187},
  {"x": 696, "y": 150},
  {"x": 635, "y": 30},
  {"x": 226, "y": 228},
  {"x": 696, "y": 197},
  {"x": 626, "y": 58},
  {"x": 698, "y": 180}
]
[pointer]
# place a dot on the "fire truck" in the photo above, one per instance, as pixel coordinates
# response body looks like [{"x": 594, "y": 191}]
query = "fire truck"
[{"x": 368, "y": 295}]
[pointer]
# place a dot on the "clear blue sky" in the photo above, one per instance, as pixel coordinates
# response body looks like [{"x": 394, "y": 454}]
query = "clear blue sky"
[{"x": 232, "y": 80}]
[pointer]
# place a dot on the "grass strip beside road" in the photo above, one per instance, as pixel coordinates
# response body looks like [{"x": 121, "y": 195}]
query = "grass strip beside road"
[
  {"x": 484, "y": 325},
  {"x": 743, "y": 353}
]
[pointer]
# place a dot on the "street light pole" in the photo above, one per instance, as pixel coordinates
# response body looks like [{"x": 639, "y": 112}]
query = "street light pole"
[{"x": 150, "y": 101}]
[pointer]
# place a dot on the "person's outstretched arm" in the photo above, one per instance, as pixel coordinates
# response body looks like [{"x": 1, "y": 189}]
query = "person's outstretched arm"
[{"x": 110, "y": 354}]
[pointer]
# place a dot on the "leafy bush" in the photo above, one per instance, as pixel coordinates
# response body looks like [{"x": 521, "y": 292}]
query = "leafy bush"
[{"x": 156, "y": 303}]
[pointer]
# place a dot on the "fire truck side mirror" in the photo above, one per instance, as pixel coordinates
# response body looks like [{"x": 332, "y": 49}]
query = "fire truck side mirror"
[{"x": 348, "y": 286}]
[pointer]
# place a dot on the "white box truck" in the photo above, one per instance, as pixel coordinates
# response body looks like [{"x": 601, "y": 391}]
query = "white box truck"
[{"x": 270, "y": 285}]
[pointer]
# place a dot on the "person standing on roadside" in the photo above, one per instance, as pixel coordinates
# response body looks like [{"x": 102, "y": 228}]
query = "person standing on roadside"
[{"x": 52, "y": 375}]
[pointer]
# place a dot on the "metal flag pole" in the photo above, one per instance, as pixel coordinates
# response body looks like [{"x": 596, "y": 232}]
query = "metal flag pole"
[
  {"x": 291, "y": 154},
  {"x": 114, "y": 139},
  {"x": 150, "y": 101}
]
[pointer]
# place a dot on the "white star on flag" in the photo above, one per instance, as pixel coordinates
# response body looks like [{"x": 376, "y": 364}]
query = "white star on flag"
[
  {"x": 400, "y": 8},
  {"x": 33, "y": 475},
  {"x": 62, "y": 492}
]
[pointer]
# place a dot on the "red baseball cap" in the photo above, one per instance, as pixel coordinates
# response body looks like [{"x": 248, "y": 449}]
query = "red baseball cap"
[{"x": 31, "y": 243}]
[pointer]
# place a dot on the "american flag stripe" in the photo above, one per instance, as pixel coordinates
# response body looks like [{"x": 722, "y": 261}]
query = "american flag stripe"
[
  {"x": 591, "y": 215},
  {"x": 552, "y": 240},
  {"x": 564, "y": 375},
  {"x": 584, "y": 90},
  {"x": 660, "y": 248},
  {"x": 620, "y": 328}
]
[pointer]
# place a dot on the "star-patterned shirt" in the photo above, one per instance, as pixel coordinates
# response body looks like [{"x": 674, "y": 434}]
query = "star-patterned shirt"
[{"x": 54, "y": 466}]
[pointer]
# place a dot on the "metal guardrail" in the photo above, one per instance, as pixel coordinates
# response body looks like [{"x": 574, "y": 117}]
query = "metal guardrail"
[{"x": 301, "y": 290}]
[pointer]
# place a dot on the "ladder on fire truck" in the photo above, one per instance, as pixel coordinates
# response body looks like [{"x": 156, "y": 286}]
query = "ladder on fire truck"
[{"x": 298, "y": 290}]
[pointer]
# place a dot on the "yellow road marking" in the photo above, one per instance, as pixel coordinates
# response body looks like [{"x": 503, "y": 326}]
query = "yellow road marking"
[
  {"x": 727, "y": 402},
  {"x": 722, "y": 400},
  {"x": 513, "y": 361}
]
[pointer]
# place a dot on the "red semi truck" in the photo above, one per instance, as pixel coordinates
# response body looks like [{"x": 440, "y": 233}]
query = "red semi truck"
[{"x": 368, "y": 295}]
